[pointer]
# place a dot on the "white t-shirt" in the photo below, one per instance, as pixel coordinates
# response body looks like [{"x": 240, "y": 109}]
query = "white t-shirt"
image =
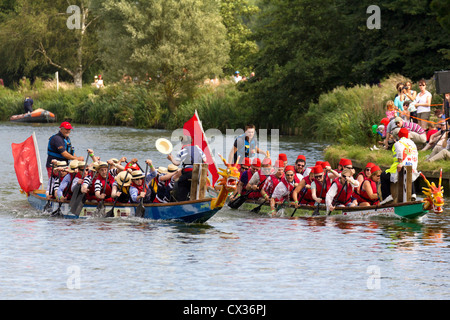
[{"x": 422, "y": 99}]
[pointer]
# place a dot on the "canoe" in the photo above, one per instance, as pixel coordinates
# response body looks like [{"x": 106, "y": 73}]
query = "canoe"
[
  {"x": 37, "y": 116},
  {"x": 406, "y": 210},
  {"x": 196, "y": 211}
]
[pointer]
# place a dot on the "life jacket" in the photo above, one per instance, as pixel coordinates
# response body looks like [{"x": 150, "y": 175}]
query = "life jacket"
[
  {"x": 289, "y": 187},
  {"x": 365, "y": 197},
  {"x": 257, "y": 194},
  {"x": 163, "y": 192},
  {"x": 90, "y": 194},
  {"x": 67, "y": 147},
  {"x": 344, "y": 198},
  {"x": 274, "y": 182},
  {"x": 124, "y": 195},
  {"x": 108, "y": 188},
  {"x": 246, "y": 149},
  {"x": 307, "y": 198},
  {"x": 319, "y": 193},
  {"x": 193, "y": 156}
]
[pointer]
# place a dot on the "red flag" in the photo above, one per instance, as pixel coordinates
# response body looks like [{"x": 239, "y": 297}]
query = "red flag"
[
  {"x": 26, "y": 165},
  {"x": 195, "y": 129}
]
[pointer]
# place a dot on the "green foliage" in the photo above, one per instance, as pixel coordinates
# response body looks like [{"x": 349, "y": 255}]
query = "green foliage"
[{"x": 176, "y": 43}]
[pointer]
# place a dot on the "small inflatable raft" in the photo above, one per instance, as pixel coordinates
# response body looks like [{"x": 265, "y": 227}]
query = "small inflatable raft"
[{"x": 37, "y": 116}]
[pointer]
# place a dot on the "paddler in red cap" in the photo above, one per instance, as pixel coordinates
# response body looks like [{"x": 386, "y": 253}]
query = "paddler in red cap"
[
  {"x": 283, "y": 190},
  {"x": 256, "y": 182},
  {"x": 245, "y": 177},
  {"x": 60, "y": 148},
  {"x": 300, "y": 166}
]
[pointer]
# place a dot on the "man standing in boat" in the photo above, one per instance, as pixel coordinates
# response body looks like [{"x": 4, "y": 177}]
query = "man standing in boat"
[
  {"x": 60, "y": 148},
  {"x": 246, "y": 146}
]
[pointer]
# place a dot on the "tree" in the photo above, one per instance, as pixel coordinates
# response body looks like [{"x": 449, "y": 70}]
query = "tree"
[
  {"x": 236, "y": 16},
  {"x": 49, "y": 33},
  {"x": 176, "y": 43}
]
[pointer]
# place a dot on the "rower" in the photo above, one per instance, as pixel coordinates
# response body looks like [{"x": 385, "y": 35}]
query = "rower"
[
  {"x": 273, "y": 180},
  {"x": 283, "y": 190},
  {"x": 121, "y": 186},
  {"x": 341, "y": 190},
  {"x": 368, "y": 190},
  {"x": 166, "y": 182},
  {"x": 104, "y": 177},
  {"x": 246, "y": 176},
  {"x": 64, "y": 190},
  {"x": 258, "y": 178}
]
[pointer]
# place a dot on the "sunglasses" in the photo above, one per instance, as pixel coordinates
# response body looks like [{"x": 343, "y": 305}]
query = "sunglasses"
[
  {"x": 300, "y": 165},
  {"x": 348, "y": 167},
  {"x": 319, "y": 176}
]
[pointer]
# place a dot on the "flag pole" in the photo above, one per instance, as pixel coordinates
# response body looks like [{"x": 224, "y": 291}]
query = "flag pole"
[
  {"x": 38, "y": 158},
  {"x": 206, "y": 140}
]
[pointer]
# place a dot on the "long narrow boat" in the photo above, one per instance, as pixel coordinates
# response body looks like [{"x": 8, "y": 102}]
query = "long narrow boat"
[
  {"x": 406, "y": 210},
  {"x": 37, "y": 116},
  {"x": 196, "y": 211}
]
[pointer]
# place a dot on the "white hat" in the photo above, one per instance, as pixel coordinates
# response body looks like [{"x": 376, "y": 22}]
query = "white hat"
[{"x": 164, "y": 146}]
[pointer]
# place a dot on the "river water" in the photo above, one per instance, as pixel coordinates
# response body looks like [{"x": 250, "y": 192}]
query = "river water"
[{"x": 233, "y": 256}]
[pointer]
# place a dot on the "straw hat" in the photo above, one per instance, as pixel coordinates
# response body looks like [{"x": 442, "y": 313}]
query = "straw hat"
[
  {"x": 81, "y": 164},
  {"x": 172, "y": 168},
  {"x": 123, "y": 178},
  {"x": 61, "y": 164},
  {"x": 116, "y": 161},
  {"x": 101, "y": 164},
  {"x": 164, "y": 146},
  {"x": 162, "y": 170},
  {"x": 137, "y": 174},
  {"x": 73, "y": 165}
]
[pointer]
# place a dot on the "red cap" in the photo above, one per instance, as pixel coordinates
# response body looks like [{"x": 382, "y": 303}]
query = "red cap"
[
  {"x": 370, "y": 165},
  {"x": 384, "y": 121},
  {"x": 266, "y": 162},
  {"x": 256, "y": 162},
  {"x": 289, "y": 168},
  {"x": 247, "y": 162},
  {"x": 403, "y": 133},
  {"x": 301, "y": 157},
  {"x": 374, "y": 168},
  {"x": 66, "y": 125},
  {"x": 345, "y": 162},
  {"x": 279, "y": 164},
  {"x": 318, "y": 163},
  {"x": 325, "y": 164},
  {"x": 317, "y": 169},
  {"x": 282, "y": 156}
]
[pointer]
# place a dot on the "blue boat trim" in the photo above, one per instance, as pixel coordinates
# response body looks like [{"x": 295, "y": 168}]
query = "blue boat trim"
[{"x": 196, "y": 211}]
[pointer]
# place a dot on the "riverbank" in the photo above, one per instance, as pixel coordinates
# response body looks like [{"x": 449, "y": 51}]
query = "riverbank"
[{"x": 360, "y": 156}]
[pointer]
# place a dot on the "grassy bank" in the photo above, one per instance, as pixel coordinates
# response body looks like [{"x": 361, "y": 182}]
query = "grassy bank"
[{"x": 128, "y": 105}]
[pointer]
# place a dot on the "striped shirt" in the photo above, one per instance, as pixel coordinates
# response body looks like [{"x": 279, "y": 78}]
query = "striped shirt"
[
  {"x": 182, "y": 156},
  {"x": 414, "y": 127}
]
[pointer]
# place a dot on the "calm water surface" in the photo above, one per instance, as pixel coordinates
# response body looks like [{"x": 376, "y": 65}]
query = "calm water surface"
[{"x": 233, "y": 256}]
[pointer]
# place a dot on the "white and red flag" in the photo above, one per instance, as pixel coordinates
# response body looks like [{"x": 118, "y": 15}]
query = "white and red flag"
[{"x": 195, "y": 129}]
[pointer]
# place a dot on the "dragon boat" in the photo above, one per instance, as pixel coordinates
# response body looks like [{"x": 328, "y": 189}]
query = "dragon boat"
[
  {"x": 433, "y": 201},
  {"x": 193, "y": 211}
]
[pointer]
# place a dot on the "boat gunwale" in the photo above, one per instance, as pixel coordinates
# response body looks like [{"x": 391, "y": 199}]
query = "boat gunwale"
[{"x": 121, "y": 204}]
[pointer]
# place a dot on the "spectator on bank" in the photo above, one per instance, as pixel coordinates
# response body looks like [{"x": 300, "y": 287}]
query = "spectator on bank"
[{"x": 422, "y": 103}]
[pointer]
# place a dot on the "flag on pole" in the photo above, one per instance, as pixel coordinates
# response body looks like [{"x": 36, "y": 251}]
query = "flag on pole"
[
  {"x": 195, "y": 129},
  {"x": 27, "y": 165}
]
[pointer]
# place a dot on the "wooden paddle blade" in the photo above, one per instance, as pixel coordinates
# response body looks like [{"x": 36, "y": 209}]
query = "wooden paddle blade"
[
  {"x": 140, "y": 210},
  {"x": 258, "y": 208},
  {"x": 235, "y": 204},
  {"x": 110, "y": 213},
  {"x": 75, "y": 194},
  {"x": 79, "y": 206}
]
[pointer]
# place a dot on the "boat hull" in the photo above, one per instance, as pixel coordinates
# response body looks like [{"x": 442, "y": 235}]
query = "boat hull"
[
  {"x": 408, "y": 210},
  {"x": 37, "y": 116},
  {"x": 198, "y": 211}
]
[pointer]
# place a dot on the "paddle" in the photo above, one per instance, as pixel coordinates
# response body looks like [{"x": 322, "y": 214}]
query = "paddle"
[
  {"x": 77, "y": 196},
  {"x": 110, "y": 213},
  {"x": 301, "y": 198},
  {"x": 316, "y": 210},
  {"x": 236, "y": 203},
  {"x": 48, "y": 205},
  {"x": 140, "y": 210},
  {"x": 258, "y": 208},
  {"x": 100, "y": 210},
  {"x": 57, "y": 212},
  {"x": 336, "y": 199}
]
